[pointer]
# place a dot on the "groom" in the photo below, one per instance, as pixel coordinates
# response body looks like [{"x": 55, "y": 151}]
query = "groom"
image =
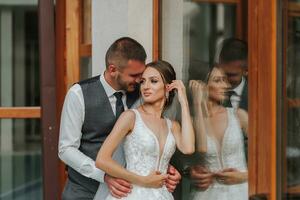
[{"x": 90, "y": 111}]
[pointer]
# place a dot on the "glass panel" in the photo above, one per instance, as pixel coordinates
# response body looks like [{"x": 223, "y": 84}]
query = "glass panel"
[
  {"x": 19, "y": 55},
  {"x": 293, "y": 99},
  {"x": 20, "y": 159},
  {"x": 192, "y": 34},
  {"x": 192, "y": 38},
  {"x": 85, "y": 68}
]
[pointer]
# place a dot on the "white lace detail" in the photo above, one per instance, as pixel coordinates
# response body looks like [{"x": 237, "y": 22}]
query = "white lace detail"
[
  {"x": 231, "y": 155},
  {"x": 142, "y": 156}
]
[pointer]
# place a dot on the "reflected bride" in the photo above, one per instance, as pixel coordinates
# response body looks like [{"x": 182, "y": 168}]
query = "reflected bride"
[{"x": 219, "y": 137}]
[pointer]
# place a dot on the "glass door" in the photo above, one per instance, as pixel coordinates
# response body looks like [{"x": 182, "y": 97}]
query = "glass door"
[
  {"x": 192, "y": 33},
  {"x": 20, "y": 111}
]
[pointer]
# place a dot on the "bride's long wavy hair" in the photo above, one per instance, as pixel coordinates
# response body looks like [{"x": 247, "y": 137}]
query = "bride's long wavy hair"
[{"x": 168, "y": 74}]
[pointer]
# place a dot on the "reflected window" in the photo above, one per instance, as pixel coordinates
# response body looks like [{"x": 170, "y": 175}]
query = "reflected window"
[
  {"x": 85, "y": 68},
  {"x": 192, "y": 34},
  {"x": 293, "y": 98}
]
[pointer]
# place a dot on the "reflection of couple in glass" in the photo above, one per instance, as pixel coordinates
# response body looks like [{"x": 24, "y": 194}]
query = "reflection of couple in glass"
[{"x": 220, "y": 140}]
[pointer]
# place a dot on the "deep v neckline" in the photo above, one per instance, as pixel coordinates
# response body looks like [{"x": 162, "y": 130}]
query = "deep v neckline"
[
  {"x": 160, "y": 151},
  {"x": 220, "y": 145}
]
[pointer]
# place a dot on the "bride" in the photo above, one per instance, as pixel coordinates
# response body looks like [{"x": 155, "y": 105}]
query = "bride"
[
  {"x": 219, "y": 138},
  {"x": 149, "y": 138}
]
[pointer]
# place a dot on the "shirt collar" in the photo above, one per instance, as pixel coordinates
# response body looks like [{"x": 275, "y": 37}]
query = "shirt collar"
[
  {"x": 240, "y": 87},
  {"x": 107, "y": 88}
]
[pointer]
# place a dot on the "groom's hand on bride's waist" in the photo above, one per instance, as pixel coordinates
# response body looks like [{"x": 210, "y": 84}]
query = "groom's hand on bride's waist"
[
  {"x": 118, "y": 187},
  {"x": 201, "y": 177},
  {"x": 173, "y": 178}
]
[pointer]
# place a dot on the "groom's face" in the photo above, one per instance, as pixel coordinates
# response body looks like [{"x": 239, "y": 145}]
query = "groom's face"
[{"x": 129, "y": 77}]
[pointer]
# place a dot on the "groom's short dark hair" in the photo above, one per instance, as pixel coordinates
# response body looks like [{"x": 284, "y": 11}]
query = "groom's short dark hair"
[
  {"x": 234, "y": 50},
  {"x": 123, "y": 50}
]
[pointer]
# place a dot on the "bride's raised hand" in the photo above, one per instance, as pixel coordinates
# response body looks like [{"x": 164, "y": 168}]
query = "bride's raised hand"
[
  {"x": 154, "y": 180},
  {"x": 197, "y": 89},
  {"x": 180, "y": 88}
]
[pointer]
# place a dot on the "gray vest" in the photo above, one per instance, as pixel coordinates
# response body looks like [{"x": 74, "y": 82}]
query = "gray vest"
[{"x": 98, "y": 122}]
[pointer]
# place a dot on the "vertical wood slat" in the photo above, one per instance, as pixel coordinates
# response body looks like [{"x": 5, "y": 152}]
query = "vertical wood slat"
[
  {"x": 72, "y": 41},
  {"x": 239, "y": 19},
  {"x": 48, "y": 100},
  {"x": 262, "y": 93},
  {"x": 253, "y": 97},
  {"x": 284, "y": 188},
  {"x": 156, "y": 30},
  {"x": 86, "y": 22},
  {"x": 60, "y": 74}
]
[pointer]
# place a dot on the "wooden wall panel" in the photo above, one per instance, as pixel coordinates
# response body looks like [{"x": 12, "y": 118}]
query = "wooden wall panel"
[{"x": 72, "y": 41}]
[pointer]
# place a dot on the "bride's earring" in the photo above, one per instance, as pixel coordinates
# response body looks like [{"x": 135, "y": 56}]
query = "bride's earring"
[{"x": 167, "y": 95}]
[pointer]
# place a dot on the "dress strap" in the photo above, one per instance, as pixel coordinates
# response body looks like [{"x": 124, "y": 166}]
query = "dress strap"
[
  {"x": 137, "y": 118},
  {"x": 169, "y": 124},
  {"x": 136, "y": 112}
]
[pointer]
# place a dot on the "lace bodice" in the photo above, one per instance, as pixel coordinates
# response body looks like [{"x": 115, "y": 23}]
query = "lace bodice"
[
  {"x": 142, "y": 152},
  {"x": 143, "y": 156},
  {"x": 231, "y": 152}
]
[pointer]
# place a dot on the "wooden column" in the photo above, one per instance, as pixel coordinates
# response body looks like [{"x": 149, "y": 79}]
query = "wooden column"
[
  {"x": 262, "y": 97},
  {"x": 48, "y": 100}
]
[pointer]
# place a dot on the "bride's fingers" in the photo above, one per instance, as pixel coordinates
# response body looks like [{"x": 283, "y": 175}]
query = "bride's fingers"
[{"x": 176, "y": 85}]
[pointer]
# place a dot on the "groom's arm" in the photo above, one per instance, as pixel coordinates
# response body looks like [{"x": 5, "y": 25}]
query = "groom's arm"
[{"x": 70, "y": 136}]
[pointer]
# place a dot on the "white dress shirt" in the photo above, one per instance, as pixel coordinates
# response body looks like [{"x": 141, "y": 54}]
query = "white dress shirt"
[
  {"x": 72, "y": 119},
  {"x": 236, "y": 98}
]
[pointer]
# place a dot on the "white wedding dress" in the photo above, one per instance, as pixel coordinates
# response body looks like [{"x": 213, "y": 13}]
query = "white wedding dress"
[
  {"x": 229, "y": 155},
  {"x": 143, "y": 156}
]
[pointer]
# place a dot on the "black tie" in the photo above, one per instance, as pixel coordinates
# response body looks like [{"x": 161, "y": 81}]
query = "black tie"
[
  {"x": 119, "y": 104},
  {"x": 227, "y": 102}
]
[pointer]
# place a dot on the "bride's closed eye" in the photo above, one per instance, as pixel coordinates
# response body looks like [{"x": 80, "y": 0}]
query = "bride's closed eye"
[{"x": 154, "y": 81}]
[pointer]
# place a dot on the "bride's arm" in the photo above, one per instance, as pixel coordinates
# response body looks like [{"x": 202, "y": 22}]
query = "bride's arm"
[
  {"x": 104, "y": 160},
  {"x": 199, "y": 107},
  {"x": 184, "y": 136}
]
